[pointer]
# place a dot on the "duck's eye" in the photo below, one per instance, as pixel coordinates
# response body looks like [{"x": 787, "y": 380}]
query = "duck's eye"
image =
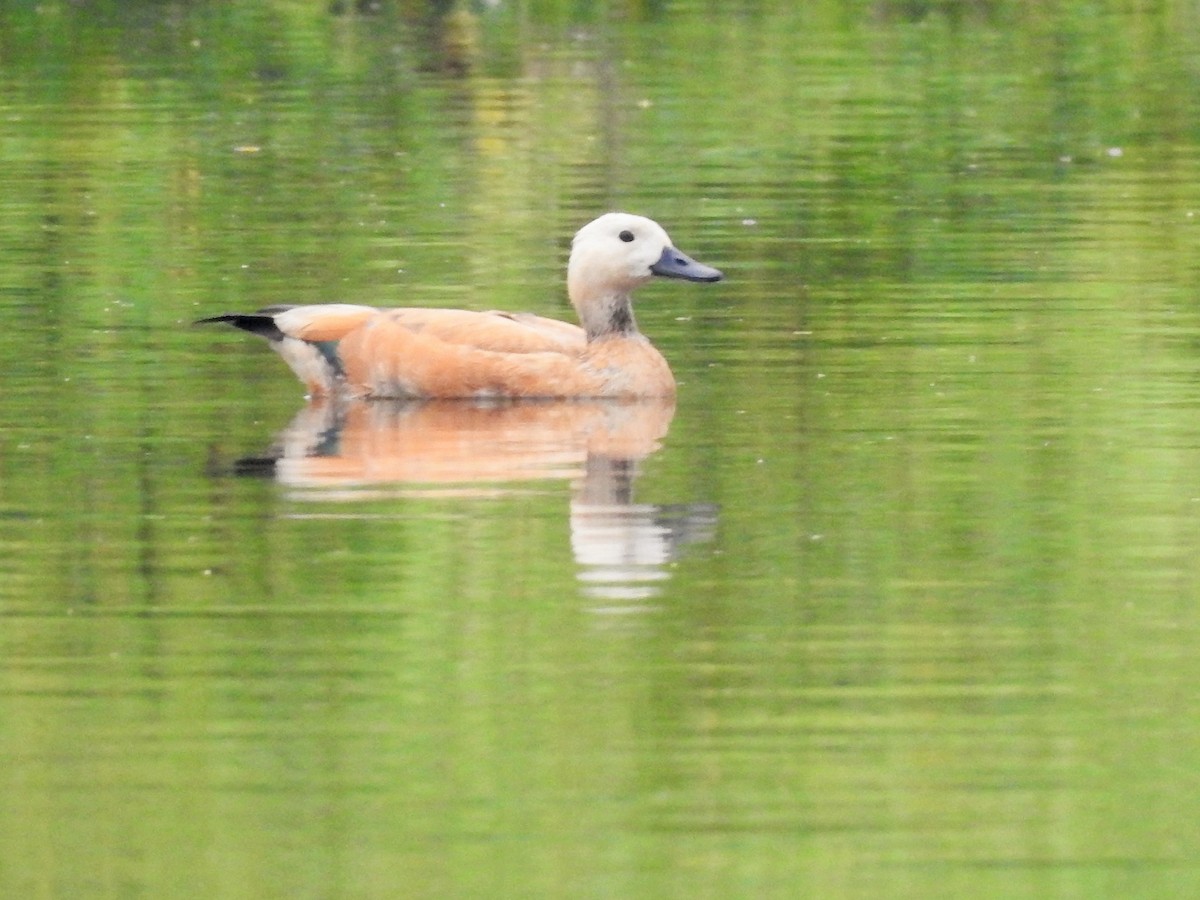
[{"x": 626, "y": 236}]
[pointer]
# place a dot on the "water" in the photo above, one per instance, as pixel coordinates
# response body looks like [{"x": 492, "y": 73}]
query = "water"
[{"x": 897, "y": 601}]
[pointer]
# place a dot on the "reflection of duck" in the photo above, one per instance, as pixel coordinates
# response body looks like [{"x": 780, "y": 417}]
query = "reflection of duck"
[
  {"x": 360, "y": 351},
  {"x": 337, "y": 451}
]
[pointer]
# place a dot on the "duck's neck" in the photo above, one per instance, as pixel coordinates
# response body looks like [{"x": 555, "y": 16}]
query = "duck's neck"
[{"x": 607, "y": 315}]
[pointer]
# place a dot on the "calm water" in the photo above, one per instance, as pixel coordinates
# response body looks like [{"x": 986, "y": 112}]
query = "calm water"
[{"x": 899, "y": 600}]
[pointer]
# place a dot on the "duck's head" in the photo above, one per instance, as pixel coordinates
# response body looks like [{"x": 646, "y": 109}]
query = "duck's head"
[{"x": 612, "y": 255}]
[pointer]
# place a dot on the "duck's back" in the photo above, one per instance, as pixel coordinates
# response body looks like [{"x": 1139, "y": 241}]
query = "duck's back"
[
  {"x": 503, "y": 332},
  {"x": 500, "y": 331}
]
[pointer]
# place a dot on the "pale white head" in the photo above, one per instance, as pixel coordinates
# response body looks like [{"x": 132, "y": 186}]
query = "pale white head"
[{"x": 612, "y": 255}]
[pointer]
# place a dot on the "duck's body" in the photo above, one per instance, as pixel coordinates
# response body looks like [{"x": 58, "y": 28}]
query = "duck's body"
[{"x": 363, "y": 351}]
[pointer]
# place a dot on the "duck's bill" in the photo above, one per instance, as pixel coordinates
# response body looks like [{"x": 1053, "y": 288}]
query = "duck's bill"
[{"x": 673, "y": 264}]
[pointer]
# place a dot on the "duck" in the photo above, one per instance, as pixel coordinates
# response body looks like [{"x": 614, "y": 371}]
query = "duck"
[{"x": 345, "y": 350}]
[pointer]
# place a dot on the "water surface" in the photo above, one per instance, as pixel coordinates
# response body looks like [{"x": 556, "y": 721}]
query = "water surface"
[{"x": 899, "y": 600}]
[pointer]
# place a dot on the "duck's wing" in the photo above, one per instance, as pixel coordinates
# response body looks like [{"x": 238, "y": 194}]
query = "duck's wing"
[
  {"x": 415, "y": 352},
  {"x": 490, "y": 356},
  {"x": 500, "y": 332},
  {"x": 423, "y": 352}
]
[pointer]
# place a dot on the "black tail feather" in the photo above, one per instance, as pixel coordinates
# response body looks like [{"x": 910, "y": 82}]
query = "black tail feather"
[{"x": 261, "y": 323}]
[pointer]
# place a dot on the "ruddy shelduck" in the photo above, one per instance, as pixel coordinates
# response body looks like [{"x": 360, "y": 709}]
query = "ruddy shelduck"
[{"x": 341, "y": 349}]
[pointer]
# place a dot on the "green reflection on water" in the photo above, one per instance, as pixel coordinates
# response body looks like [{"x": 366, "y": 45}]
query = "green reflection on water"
[{"x": 941, "y": 642}]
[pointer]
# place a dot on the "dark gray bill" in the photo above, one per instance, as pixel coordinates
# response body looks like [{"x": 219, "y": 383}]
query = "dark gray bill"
[{"x": 673, "y": 264}]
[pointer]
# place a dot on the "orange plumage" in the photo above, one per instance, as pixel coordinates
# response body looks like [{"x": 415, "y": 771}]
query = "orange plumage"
[{"x": 361, "y": 351}]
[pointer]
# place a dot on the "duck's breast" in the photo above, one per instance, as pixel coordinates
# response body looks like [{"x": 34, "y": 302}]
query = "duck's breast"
[{"x": 629, "y": 366}]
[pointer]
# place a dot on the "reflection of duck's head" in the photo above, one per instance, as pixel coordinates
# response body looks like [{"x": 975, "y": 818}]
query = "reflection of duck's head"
[{"x": 612, "y": 255}]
